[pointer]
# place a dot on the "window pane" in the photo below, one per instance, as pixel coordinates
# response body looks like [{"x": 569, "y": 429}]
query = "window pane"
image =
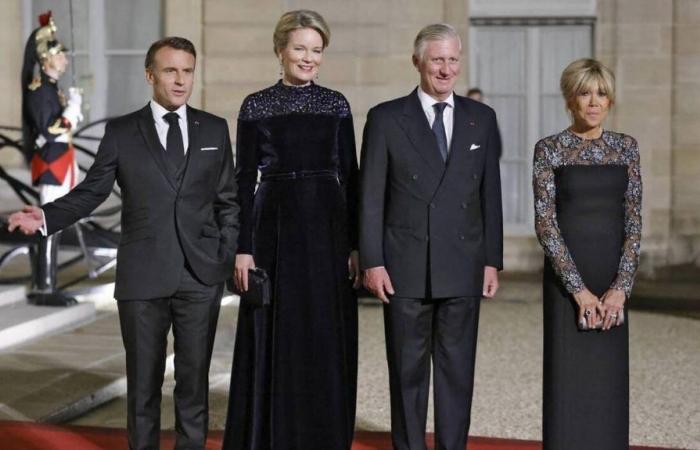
[
  {"x": 502, "y": 75},
  {"x": 83, "y": 79},
  {"x": 511, "y": 113},
  {"x": 132, "y": 24},
  {"x": 514, "y": 187},
  {"x": 128, "y": 89},
  {"x": 518, "y": 67},
  {"x": 559, "y": 46},
  {"x": 500, "y": 59}
]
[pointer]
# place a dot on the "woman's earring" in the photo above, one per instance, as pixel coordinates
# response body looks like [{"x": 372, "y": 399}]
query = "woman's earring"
[{"x": 281, "y": 68}]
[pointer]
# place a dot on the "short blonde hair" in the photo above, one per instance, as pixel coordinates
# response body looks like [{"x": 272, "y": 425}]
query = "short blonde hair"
[
  {"x": 434, "y": 32},
  {"x": 584, "y": 73},
  {"x": 296, "y": 20}
]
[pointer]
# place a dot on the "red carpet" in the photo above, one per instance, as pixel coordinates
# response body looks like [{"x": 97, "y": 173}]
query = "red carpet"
[{"x": 32, "y": 436}]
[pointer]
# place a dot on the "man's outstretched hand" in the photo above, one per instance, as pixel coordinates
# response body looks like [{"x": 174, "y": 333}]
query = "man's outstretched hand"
[{"x": 29, "y": 220}]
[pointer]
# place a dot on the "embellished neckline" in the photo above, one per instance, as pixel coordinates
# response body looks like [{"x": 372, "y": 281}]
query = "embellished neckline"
[
  {"x": 582, "y": 139},
  {"x": 280, "y": 84},
  {"x": 280, "y": 99}
]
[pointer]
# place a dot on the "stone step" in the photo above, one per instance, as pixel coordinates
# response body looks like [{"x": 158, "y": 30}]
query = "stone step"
[
  {"x": 21, "y": 322},
  {"x": 12, "y": 293}
]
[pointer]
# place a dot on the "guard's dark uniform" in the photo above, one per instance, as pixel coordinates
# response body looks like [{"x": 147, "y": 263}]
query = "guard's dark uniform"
[{"x": 53, "y": 162}]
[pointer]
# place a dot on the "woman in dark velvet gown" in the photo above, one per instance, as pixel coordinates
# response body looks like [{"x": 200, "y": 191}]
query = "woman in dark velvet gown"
[
  {"x": 294, "y": 376},
  {"x": 588, "y": 190}
]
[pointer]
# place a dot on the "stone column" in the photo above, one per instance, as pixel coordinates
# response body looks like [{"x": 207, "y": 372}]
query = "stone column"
[
  {"x": 634, "y": 38},
  {"x": 12, "y": 52},
  {"x": 184, "y": 18},
  {"x": 685, "y": 219}
]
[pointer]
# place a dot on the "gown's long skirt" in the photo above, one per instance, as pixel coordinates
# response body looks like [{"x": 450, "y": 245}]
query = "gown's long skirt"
[
  {"x": 586, "y": 373},
  {"x": 293, "y": 383}
]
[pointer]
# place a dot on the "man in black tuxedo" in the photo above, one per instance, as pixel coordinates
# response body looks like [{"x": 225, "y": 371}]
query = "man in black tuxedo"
[
  {"x": 431, "y": 238},
  {"x": 174, "y": 166}
]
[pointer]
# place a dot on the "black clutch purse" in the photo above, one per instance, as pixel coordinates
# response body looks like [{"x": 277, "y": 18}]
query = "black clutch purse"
[{"x": 259, "y": 288}]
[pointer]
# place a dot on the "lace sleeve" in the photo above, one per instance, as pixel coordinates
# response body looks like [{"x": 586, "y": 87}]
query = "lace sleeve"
[
  {"x": 546, "y": 226},
  {"x": 633, "y": 222}
]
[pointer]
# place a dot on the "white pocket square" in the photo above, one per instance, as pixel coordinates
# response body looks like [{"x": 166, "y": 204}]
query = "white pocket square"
[
  {"x": 207, "y": 149},
  {"x": 474, "y": 147}
]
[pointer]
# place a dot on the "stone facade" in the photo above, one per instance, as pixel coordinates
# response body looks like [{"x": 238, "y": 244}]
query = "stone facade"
[
  {"x": 652, "y": 45},
  {"x": 685, "y": 133},
  {"x": 11, "y": 51}
]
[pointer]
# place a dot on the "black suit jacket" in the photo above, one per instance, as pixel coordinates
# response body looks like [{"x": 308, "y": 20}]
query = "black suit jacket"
[
  {"x": 433, "y": 225},
  {"x": 165, "y": 221}
]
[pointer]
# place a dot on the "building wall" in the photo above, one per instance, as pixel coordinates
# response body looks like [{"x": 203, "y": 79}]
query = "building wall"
[
  {"x": 685, "y": 158},
  {"x": 184, "y": 18},
  {"x": 635, "y": 39},
  {"x": 11, "y": 51},
  {"x": 653, "y": 47}
]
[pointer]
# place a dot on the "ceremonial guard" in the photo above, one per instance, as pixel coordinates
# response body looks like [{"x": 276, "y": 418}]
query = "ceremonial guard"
[{"x": 48, "y": 119}]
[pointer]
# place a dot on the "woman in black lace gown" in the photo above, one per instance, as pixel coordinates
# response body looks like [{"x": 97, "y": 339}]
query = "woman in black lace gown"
[
  {"x": 294, "y": 377},
  {"x": 588, "y": 190}
]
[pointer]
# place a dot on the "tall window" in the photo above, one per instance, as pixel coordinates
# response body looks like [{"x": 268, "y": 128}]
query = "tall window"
[
  {"x": 517, "y": 63},
  {"x": 110, "y": 39}
]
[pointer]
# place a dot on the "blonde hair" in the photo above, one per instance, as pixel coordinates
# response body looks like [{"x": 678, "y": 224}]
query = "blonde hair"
[
  {"x": 584, "y": 73},
  {"x": 434, "y": 32},
  {"x": 295, "y": 20}
]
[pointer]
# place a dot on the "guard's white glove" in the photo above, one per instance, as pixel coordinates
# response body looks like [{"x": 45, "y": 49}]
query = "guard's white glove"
[{"x": 72, "y": 111}]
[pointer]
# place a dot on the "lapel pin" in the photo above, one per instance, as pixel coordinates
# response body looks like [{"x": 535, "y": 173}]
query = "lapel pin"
[
  {"x": 471, "y": 124},
  {"x": 196, "y": 122}
]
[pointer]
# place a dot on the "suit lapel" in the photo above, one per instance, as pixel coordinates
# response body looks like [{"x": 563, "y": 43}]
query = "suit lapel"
[
  {"x": 415, "y": 125},
  {"x": 193, "y": 146},
  {"x": 148, "y": 130}
]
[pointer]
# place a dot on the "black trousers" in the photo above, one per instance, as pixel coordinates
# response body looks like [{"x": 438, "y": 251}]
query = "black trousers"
[
  {"x": 416, "y": 330},
  {"x": 192, "y": 312}
]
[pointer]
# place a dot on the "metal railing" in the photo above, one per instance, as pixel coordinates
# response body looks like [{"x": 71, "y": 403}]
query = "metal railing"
[{"x": 96, "y": 237}]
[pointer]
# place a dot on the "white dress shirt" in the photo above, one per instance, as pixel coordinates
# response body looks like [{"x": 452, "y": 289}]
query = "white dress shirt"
[
  {"x": 427, "y": 103},
  {"x": 162, "y": 125}
]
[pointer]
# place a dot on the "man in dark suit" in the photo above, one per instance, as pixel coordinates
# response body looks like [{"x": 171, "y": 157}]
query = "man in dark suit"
[
  {"x": 174, "y": 166},
  {"x": 431, "y": 238}
]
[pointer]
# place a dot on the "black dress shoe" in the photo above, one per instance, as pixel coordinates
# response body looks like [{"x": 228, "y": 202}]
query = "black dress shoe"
[{"x": 57, "y": 298}]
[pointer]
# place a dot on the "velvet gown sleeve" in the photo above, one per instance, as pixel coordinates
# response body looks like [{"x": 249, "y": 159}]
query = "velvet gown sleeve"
[
  {"x": 49, "y": 122},
  {"x": 349, "y": 175},
  {"x": 246, "y": 178}
]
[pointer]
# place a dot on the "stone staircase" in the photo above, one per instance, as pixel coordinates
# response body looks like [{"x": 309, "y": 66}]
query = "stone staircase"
[{"x": 21, "y": 322}]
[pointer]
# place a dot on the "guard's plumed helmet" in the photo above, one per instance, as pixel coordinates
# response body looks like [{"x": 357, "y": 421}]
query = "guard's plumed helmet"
[{"x": 45, "y": 38}]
